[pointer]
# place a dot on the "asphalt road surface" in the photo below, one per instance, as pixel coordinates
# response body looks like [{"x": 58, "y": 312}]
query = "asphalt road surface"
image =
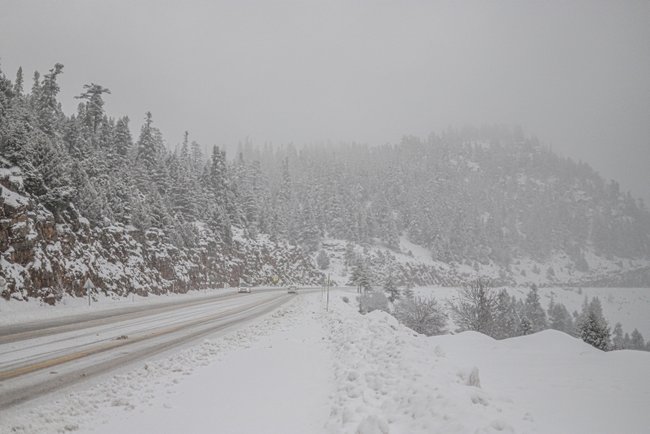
[{"x": 43, "y": 357}]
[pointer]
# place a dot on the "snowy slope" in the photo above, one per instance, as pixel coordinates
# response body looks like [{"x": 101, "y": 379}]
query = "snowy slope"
[
  {"x": 567, "y": 385},
  {"x": 414, "y": 264},
  {"x": 390, "y": 379}
]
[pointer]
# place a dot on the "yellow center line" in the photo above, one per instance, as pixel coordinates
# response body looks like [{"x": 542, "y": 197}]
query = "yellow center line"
[{"x": 12, "y": 373}]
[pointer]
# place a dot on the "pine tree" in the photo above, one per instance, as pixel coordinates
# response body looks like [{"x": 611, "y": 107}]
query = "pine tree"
[
  {"x": 525, "y": 326},
  {"x": 36, "y": 91},
  {"x": 506, "y": 320},
  {"x": 627, "y": 342},
  {"x": 218, "y": 177},
  {"x": 122, "y": 141},
  {"x": 147, "y": 151},
  {"x": 94, "y": 104},
  {"x": 593, "y": 326},
  {"x": 47, "y": 107},
  {"x": 196, "y": 157},
  {"x": 159, "y": 217},
  {"x": 559, "y": 318},
  {"x": 323, "y": 260},
  {"x": 182, "y": 198},
  {"x": 350, "y": 256},
  {"x": 637, "y": 341},
  {"x": 618, "y": 338},
  {"x": 391, "y": 288},
  {"x": 185, "y": 150},
  {"x": 18, "y": 85},
  {"x": 118, "y": 199},
  {"x": 361, "y": 277},
  {"x": 16, "y": 141},
  {"x": 308, "y": 233},
  {"x": 50, "y": 181},
  {"x": 534, "y": 312},
  {"x": 408, "y": 292},
  {"x": 87, "y": 199}
]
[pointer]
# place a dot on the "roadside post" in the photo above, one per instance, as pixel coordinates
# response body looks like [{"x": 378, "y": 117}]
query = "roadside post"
[
  {"x": 3, "y": 284},
  {"x": 327, "y": 306},
  {"x": 88, "y": 286}
]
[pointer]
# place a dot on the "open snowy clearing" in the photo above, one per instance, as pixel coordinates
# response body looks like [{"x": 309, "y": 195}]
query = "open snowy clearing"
[
  {"x": 302, "y": 369},
  {"x": 567, "y": 385}
]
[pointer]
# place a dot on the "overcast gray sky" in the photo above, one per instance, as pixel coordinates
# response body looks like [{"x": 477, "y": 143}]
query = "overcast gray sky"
[{"x": 574, "y": 73}]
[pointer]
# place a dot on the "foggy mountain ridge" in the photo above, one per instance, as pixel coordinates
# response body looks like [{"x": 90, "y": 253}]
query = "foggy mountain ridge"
[{"x": 181, "y": 219}]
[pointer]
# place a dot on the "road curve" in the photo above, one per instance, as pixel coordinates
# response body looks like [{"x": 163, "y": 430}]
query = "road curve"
[{"x": 37, "y": 361}]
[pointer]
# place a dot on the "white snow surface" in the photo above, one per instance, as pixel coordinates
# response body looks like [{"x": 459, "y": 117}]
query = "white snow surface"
[
  {"x": 567, "y": 385},
  {"x": 391, "y": 380},
  {"x": 12, "y": 198},
  {"x": 306, "y": 370}
]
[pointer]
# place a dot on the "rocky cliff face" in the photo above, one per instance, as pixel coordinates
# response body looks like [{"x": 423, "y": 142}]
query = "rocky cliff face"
[{"x": 43, "y": 258}]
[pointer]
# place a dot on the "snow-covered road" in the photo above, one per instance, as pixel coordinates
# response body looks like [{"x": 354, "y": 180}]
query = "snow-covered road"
[{"x": 40, "y": 360}]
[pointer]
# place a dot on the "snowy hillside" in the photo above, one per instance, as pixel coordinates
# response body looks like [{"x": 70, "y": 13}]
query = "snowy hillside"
[
  {"x": 411, "y": 264},
  {"x": 44, "y": 258},
  {"x": 81, "y": 198},
  {"x": 304, "y": 369}
]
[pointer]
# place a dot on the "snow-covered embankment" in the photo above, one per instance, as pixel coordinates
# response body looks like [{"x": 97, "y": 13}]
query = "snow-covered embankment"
[{"x": 392, "y": 380}]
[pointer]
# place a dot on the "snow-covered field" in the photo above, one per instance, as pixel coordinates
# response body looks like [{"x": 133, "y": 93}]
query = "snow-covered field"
[
  {"x": 306, "y": 370},
  {"x": 567, "y": 386}
]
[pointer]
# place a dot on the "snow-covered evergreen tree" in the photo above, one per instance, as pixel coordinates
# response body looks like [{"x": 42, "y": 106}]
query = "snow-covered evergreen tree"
[
  {"x": 323, "y": 260},
  {"x": 593, "y": 328},
  {"x": 618, "y": 338},
  {"x": 636, "y": 340},
  {"x": 533, "y": 310},
  {"x": 391, "y": 288},
  {"x": 559, "y": 318},
  {"x": 506, "y": 319}
]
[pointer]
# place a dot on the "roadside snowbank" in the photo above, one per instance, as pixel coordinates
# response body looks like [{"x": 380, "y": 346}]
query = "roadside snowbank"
[
  {"x": 392, "y": 380},
  {"x": 569, "y": 386}
]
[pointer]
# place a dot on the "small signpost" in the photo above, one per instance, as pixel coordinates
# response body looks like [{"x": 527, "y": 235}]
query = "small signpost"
[
  {"x": 327, "y": 307},
  {"x": 88, "y": 286}
]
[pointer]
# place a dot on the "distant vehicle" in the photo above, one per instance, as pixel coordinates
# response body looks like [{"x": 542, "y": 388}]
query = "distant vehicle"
[
  {"x": 292, "y": 290},
  {"x": 244, "y": 290}
]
